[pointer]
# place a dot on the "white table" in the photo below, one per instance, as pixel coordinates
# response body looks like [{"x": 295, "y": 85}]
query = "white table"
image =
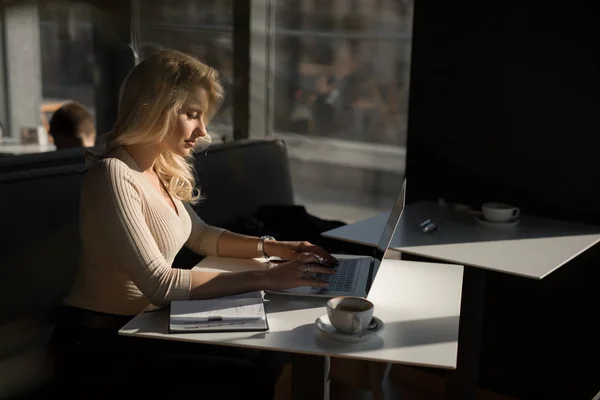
[
  {"x": 418, "y": 302},
  {"x": 534, "y": 248}
]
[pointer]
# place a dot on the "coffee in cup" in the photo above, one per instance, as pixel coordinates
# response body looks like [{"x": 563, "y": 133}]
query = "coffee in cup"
[
  {"x": 351, "y": 315},
  {"x": 499, "y": 212}
]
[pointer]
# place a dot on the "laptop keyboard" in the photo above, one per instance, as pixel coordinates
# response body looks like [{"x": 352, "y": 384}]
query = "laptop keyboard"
[{"x": 344, "y": 279}]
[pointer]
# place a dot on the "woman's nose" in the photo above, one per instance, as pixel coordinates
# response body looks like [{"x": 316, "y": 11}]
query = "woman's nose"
[{"x": 201, "y": 128}]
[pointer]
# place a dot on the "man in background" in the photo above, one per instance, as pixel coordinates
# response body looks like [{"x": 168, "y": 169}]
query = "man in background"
[{"x": 72, "y": 125}]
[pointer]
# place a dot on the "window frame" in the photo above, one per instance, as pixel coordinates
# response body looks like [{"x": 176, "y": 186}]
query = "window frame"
[{"x": 4, "y": 114}]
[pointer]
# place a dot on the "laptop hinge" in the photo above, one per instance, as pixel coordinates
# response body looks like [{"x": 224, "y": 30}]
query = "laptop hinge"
[{"x": 370, "y": 276}]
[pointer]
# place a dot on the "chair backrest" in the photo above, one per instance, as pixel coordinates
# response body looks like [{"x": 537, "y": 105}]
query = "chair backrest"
[
  {"x": 15, "y": 163},
  {"x": 237, "y": 178},
  {"x": 40, "y": 250}
]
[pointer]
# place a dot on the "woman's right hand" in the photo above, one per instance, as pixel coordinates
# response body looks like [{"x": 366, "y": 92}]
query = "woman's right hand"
[{"x": 298, "y": 272}]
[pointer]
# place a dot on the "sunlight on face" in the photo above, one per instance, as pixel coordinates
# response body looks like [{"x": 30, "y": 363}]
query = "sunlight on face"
[{"x": 189, "y": 131}]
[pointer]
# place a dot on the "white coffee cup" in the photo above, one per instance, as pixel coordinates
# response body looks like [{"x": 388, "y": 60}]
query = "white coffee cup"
[
  {"x": 349, "y": 314},
  {"x": 499, "y": 212}
]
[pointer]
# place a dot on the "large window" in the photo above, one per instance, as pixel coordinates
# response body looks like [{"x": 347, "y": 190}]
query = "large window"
[
  {"x": 67, "y": 53},
  {"x": 338, "y": 74},
  {"x": 67, "y": 56},
  {"x": 329, "y": 77},
  {"x": 342, "y": 69},
  {"x": 49, "y": 52}
]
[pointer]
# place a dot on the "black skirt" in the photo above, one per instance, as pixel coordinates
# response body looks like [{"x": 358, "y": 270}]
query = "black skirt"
[{"x": 92, "y": 361}]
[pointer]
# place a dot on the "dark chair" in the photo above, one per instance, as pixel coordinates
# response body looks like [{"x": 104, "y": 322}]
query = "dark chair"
[
  {"x": 40, "y": 250},
  {"x": 39, "y": 209},
  {"x": 237, "y": 178}
]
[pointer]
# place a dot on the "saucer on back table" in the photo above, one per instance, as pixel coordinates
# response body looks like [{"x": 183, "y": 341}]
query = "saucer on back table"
[{"x": 513, "y": 222}]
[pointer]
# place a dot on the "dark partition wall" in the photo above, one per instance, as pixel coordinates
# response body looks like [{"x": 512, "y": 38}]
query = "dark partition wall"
[
  {"x": 241, "y": 69},
  {"x": 113, "y": 57},
  {"x": 504, "y": 105}
]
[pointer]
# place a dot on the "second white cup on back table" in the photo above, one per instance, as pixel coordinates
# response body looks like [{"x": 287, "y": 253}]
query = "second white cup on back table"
[
  {"x": 499, "y": 212},
  {"x": 351, "y": 315}
]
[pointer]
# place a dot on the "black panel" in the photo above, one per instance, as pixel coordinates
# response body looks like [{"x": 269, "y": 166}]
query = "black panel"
[{"x": 504, "y": 105}]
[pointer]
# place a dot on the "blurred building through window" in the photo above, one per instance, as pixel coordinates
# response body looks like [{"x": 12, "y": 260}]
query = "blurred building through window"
[
  {"x": 342, "y": 69},
  {"x": 201, "y": 28},
  {"x": 67, "y": 52},
  {"x": 66, "y": 56},
  {"x": 340, "y": 76}
]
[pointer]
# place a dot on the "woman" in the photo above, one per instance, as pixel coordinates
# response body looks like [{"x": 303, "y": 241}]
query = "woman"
[{"x": 136, "y": 216}]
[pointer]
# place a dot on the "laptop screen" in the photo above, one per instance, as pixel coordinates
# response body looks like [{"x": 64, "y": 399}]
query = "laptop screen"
[{"x": 388, "y": 231}]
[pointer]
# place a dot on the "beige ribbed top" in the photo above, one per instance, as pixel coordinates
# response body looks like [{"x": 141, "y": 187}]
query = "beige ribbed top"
[{"x": 130, "y": 236}]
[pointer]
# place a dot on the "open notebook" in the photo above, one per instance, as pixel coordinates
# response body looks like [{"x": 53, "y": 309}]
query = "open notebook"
[{"x": 241, "y": 312}]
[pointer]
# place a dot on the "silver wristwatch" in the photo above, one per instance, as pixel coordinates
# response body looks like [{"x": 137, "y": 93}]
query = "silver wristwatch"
[{"x": 261, "y": 245}]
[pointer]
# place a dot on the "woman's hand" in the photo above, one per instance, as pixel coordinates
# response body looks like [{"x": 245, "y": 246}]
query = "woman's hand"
[
  {"x": 292, "y": 250},
  {"x": 298, "y": 272}
]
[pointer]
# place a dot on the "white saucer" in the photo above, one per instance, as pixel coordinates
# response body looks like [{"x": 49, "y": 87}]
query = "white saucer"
[
  {"x": 483, "y": 221},
  {"x": 326, "y": 328}
]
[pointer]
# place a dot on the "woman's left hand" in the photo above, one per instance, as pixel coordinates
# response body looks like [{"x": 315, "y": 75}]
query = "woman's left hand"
[{"x": 293, "y": 250}]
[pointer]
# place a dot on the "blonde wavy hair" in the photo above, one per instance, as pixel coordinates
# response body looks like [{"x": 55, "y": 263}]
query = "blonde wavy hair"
[{"x": 150, "y": 98}]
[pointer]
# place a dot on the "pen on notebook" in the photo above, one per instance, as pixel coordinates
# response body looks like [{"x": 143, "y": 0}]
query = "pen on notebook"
[
  {"x": 204, "y": 326},
  {"x": 196, "y": 326},
  {"x": 214, "y": 319}
]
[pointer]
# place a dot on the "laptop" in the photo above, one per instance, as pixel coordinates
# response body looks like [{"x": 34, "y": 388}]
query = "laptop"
[{"x": 355, "y": 273}]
